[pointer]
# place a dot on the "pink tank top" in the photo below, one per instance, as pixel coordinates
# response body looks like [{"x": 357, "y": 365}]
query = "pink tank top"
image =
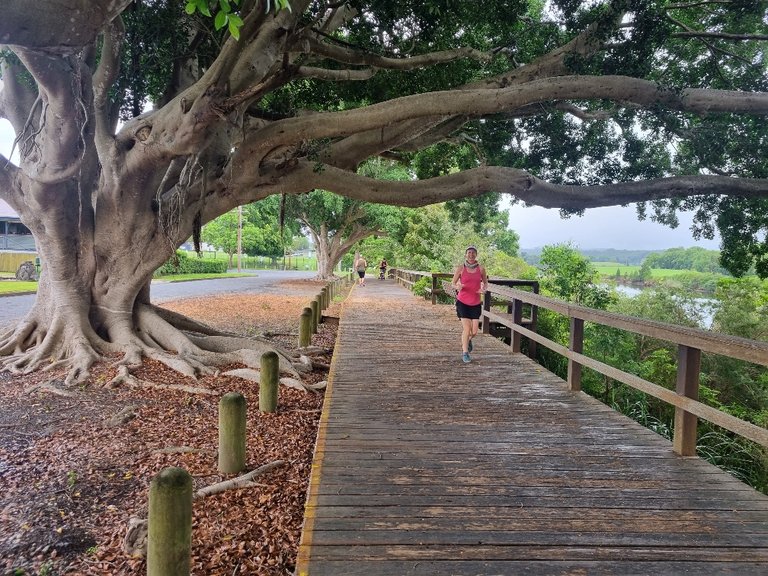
[{"x": 470, "y": 286}]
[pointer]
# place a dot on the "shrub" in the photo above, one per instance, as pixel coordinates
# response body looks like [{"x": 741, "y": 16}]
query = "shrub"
[{"x": 183, "y": 264}]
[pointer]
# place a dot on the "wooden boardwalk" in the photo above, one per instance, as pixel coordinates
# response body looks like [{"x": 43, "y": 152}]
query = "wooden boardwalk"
[{"x": 425, "y": 465}]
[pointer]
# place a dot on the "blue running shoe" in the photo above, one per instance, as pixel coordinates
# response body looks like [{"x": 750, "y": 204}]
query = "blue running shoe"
[{"x": 465, "y": 357}]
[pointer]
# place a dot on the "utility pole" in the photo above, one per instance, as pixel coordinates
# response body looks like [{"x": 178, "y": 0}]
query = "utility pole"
[{"x": 239, "y": 235}]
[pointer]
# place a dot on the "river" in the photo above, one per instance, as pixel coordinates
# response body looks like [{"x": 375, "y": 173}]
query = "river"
[{"x": 703, "y": 307}]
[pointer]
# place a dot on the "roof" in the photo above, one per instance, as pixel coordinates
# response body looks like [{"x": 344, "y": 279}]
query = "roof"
[{"x": 7, "y": 213}]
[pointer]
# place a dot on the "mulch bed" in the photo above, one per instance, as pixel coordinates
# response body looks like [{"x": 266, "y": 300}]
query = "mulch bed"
[{"x": 71, "y": 480}]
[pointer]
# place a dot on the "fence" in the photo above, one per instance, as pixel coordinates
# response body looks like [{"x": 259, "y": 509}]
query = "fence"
[{"x": 691, "y": 342}]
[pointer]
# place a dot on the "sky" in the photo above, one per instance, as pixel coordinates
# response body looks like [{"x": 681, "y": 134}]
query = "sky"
[{"x": 614, "y": 227}]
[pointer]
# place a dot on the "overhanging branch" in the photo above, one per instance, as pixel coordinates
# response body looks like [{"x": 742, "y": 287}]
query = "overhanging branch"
[
  {"x": 477, "y": 103},
  {"x": 349, "y": 55},
  {"x": 522, "y": 185}
]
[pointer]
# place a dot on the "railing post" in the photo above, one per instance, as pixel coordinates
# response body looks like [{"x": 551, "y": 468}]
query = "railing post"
[
  {"x": 576, "y": 344},
  {"x": 305, "y": 328},
  {"x": 434, "y": 289},
  {"x": 517, "y": 318},
  {"x": 486, "y": 308},
  {"x": 315, "y": 307},
  {"x": 688, "y": 367},
  {"x": 534, "y": 323}
]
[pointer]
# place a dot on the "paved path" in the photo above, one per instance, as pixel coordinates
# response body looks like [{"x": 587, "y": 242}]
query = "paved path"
[
  {"x": 428, "y": 466},
  {"x": 262, "y": 282}
]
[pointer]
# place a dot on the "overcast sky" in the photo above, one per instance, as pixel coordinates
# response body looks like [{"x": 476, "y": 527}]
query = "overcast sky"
[{"x": 613, "y": 227}]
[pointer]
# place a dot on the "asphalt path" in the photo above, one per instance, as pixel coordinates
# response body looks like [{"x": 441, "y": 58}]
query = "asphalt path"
[{"x": 261, "y": 282}]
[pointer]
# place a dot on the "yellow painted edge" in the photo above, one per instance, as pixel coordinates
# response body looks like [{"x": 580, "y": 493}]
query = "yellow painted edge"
[{"x": 305, "y": 543}]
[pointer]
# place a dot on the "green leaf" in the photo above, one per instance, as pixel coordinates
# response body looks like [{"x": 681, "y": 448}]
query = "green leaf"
[
  {"x": 220, "y": 21},
  {"x": 225, "y": 7},
  {"x": 202, "y": 5},
  {"x": 234, "y": 28},
  {"x": 190, "y": 7}
]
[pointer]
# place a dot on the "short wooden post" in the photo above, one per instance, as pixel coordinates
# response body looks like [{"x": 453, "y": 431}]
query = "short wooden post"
[
  {"x": 517, "y": 318},
  {"x": 434, "y": 289},
  {"x": 688, "y": 367},
  {"x": 486, "y": 308},
  {"x": 324, "y": 298},
  {"x": 305, "y": 328},
  {"x": 268, "y": 384},
  {"x": 576, "y": 344},
  {"x": 315, "y": 306},
  {"x": 232, "y": 418},
  {"x": 169, "y": 534}
]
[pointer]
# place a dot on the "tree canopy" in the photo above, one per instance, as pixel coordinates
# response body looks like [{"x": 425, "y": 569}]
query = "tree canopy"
[{"x": 565, "y": 104}]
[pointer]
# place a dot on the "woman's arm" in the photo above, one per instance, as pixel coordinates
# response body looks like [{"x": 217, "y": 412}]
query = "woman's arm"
[
  {"x": 456, "y": 276},
  {"x": 484, "y": 277}
]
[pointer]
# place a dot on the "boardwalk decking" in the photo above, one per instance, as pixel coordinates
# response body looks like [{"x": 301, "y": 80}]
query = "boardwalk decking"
[{"x": 425, "y": 465}]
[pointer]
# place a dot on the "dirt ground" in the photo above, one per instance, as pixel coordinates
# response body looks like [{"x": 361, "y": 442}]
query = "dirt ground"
[{"x": 72, "y": 475}]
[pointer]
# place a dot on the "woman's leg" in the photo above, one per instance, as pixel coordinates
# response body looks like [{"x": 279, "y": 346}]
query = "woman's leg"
[
  {"x": 466, "y": 331},
  {"x": 475, "y": 327}
]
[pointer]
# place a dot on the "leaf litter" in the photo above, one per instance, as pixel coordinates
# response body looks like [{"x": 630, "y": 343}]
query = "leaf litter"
[{"x": 76, "y": 469}]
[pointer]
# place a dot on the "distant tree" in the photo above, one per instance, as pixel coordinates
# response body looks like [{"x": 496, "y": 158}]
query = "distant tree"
[
  {"x": 568, "y": 275},
  {"x": 693, "y": 258},
  {"x": 336, "y": 224},
  {"x": 644, "y": 273},
  {"x": 221, "y": 233}
]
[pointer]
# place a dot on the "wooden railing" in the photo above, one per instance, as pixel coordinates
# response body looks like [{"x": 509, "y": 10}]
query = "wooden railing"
[
  {"x": 691, "y": 342},
  {"x": 528, "y": 318}
]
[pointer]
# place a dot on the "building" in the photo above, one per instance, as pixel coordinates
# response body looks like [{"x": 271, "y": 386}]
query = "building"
[{"x": 14, "y": 236}]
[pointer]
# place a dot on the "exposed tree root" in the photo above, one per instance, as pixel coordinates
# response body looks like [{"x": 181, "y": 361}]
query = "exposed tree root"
[
  {"x": 184, "y": 345},
  {"x": 187, "y": 324},
  {"x": 179, "y": 450},
  {"x": 239, "y": 482},
  {"x": 126, "y": 414},
  {"x": 135, "y": 541},
  {"x": 124, "y": 376},
  {"x": 50, "y": 387}
]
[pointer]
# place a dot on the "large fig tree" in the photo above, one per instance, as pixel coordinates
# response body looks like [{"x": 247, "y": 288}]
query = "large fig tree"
[{"x": 561, "y": 104}]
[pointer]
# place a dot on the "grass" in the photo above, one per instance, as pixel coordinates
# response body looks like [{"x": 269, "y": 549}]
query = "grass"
[
  {"x": 16, "y": 287},
  {"x": 609, "y": 269},
  {"x": 189, "y": 277}
]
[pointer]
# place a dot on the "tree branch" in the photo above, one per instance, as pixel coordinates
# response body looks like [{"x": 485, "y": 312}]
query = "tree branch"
[
  {"x": 720, "y": 35},
  {"x": 334, "y": 75},
  {"x": 104, "y": 78},
  {"x": 348, "y": 55},
  {"x": 60, "y": 25},
  {"x": 477, "y": 103},
  {"x": 520, "y": 184}
]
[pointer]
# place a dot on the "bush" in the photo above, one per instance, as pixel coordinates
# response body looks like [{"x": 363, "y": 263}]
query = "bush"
[
  {"x": 183, "y": 264},
  {"x": 422, "y": 287}
]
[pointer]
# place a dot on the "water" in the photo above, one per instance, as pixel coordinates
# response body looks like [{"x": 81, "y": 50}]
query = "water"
[{"x": 701, "y": 307}]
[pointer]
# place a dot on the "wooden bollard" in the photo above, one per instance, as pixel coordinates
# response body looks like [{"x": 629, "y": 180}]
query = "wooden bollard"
[
  {"x": 232, "y": 418},
  {"x": 169, "y": 536},
  {"x": 315, "y": 306},
  {"x": 324, "y": 298},
  {"x": 305, "y": 328},
  {"x": 268, "y": 384}
]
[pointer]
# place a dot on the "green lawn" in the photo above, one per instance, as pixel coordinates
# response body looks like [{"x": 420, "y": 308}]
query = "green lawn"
[
  {"x": 16, "y": 287},
  {"x": 609, "y": 269}
]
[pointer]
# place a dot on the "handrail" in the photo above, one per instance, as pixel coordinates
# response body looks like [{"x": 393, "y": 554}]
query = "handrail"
[{"x": 691, "y": 342}]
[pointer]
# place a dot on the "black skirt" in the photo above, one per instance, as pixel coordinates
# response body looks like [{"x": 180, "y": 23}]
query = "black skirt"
[{"x": 467, "y": 311}]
